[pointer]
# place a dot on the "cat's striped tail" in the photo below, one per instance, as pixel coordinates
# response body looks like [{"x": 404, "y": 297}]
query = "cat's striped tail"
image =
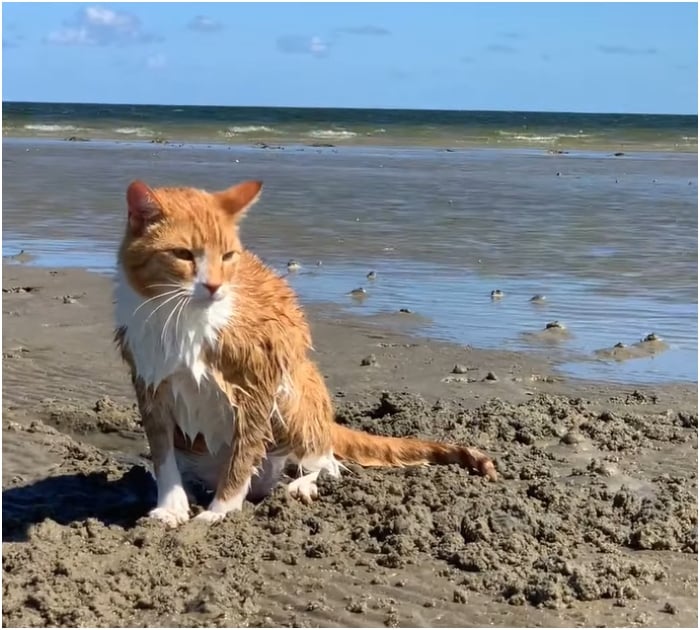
[{"x": 376, "y": 450}]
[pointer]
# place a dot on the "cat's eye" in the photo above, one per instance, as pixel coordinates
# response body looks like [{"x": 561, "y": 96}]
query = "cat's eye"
[
  {"x": 228, "y": 256},
  {"x": 183, "y": 254}
]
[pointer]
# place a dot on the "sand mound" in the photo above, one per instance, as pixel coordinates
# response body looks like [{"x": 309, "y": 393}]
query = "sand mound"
[{"x": 567, "y": 523}]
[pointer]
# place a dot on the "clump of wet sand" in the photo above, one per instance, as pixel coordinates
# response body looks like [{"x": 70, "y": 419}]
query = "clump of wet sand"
[{"x": 567, "y": 523}]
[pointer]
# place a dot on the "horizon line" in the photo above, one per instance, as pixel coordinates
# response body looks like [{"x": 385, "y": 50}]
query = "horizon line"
[{"x": 411, "y": 109}]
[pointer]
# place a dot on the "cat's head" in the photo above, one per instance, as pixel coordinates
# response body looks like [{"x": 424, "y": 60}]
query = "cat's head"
[{"x": 184, "y": 240}]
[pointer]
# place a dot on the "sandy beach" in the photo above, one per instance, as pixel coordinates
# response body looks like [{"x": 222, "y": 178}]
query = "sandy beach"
[
  {"x": 593, "y": 522},
  {"x": 489, "y": 215}
]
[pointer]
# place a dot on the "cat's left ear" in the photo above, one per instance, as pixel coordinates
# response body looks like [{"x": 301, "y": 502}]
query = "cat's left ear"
[{"x": 237, "y": 199}]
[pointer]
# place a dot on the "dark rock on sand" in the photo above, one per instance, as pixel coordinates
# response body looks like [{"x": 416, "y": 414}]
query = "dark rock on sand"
[
  {"x": 554, "y": 332},
  {"x": 359, "y": 293},
  {"x": 264, "y": 145},
  {"x": 20, "y": 290},
  {"x": 369, "y": 360},
  {"x": 22, "y": 257},
  {"x": 649, "y": 346}
]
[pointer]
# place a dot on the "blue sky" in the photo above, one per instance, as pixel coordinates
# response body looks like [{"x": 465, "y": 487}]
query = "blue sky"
[{"x": 552, "y": 57}]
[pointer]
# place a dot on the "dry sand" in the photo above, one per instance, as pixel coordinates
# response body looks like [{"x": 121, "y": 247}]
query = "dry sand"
[{"x": 594, "y": 521}]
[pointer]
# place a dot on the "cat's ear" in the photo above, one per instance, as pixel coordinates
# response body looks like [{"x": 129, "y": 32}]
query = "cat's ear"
[
  {"x": 143, "y": 207},
  {"x": 237, "y": 199}
]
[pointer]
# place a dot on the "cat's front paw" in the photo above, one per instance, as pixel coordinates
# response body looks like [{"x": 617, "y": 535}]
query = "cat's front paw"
[
  {"x": 207, "y": 516},
  {"x": 304, "y": 489},
  {"x": 218, "y": 509},
  {"x": 169, "y": 516}
]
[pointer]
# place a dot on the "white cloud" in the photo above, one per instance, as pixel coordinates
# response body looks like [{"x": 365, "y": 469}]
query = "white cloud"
[
  {"x": 318, "y": 46},
  {"x": 71, "y": 37},
  {"x": 99, "y": 16},
  {"x": 204, "y": 24},
  {"x": 99, "y": 26},
  {"x": 156, "y": 61},
  {"x": 303, "y": 45}
]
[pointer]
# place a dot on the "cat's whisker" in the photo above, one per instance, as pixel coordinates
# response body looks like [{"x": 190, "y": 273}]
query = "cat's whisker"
[
  {"x": 164, "y": 332},
  {"x": 183, "y": 304},
  {"x": 155, "y": 297},
  {"x": 164, "y": 284},
  {"x": 178, "y": 311},
  {"x": 157, "y": 308}
]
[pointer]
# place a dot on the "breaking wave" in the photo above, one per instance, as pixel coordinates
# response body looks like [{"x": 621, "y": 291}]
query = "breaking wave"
[
  {"x": 51, "y": 128},
  {"x": 337, "y": 134},
  {"x": 141, "y": 132}
]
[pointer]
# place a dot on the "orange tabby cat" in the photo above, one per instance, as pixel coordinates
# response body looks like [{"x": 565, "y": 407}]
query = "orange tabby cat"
[{"x": 219, "y": 355}]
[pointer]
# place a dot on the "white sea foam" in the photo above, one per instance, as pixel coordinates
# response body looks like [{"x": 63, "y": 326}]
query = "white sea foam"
[
  {"x": 525, "y": 137},
  {"x": 135, "y": 131},
  {"x": 332, "y": 133},
  {"x": 49, "y": 128},
  {"x": 232, "y": 131}
]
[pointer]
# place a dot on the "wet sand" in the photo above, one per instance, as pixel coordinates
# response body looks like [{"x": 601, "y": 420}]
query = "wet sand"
[
  {"x": 594, "y": 521},
  {"x": 441, "y": 230}
]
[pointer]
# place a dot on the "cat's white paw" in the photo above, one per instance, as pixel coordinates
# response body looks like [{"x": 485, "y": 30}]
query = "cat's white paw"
[
  {"x": 304, "y": 489},
  {"x": 172, "y": 517},
  {"x": 218, "y": 509},
  {"x": 207, "y": 516}
]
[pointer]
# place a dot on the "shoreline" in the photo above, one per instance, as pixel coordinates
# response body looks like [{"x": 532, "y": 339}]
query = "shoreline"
[
  {"x": 389, "y": 339},
  {"x": 277, "y": 143},
  {"x": 414, "y": 328}
]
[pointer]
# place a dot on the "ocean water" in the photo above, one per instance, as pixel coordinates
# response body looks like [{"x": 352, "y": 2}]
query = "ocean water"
[
  {"x": 379, "y": 127},
  {"x": 611, "y": 241}
]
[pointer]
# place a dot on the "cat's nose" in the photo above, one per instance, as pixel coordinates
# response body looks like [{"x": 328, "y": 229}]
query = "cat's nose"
[{"x": 212, "y": 287}]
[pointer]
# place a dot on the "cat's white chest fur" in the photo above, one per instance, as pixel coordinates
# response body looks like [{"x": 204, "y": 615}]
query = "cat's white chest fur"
[{"x": 167, "y": 346}]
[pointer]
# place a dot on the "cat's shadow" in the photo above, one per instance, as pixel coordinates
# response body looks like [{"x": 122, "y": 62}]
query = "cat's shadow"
[{"x": 72, "y": 498}]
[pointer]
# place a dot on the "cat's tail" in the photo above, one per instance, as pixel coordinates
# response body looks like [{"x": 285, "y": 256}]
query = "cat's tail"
[{"x": 376, "y": 450}]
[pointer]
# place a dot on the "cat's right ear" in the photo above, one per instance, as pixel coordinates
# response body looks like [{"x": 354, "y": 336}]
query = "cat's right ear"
[{"x": 144, "y": 208}]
